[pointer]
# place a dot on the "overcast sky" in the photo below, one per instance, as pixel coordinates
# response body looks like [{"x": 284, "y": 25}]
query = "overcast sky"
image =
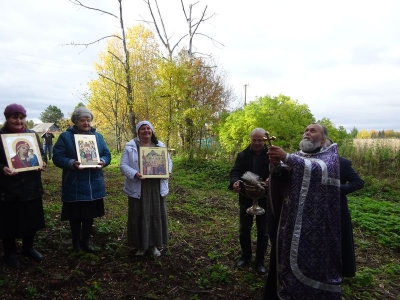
[{"x": 341, "y": 58}]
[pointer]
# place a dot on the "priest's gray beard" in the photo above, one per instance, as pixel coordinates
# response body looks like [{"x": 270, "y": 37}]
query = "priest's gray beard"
[{"x": 308, "y": 146}]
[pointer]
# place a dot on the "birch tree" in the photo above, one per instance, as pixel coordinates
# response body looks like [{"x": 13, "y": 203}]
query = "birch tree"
[
  {"x": 124, "y": 61},
  {"x": 106, "y": 95},
  {"x": 192, "y": 23}
]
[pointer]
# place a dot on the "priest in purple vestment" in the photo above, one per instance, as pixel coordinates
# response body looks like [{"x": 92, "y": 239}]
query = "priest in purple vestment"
[{"x": 307, "y": 241}]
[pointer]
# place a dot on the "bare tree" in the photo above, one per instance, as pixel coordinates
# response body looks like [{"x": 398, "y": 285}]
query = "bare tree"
[
  {"x": 192, "y": 23},
  {"x": 127, "y": 85}
]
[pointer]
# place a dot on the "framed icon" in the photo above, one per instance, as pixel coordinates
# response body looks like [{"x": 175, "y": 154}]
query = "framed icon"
[
  {"x": 22, "y": 151},
  {"x": 87, "y": 150},
  {"x": 153, "y": 162}
]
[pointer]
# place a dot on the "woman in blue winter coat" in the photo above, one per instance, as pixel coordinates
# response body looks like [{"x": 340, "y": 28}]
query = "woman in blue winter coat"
[
  {"x": 83, "y": 189},
  {"x": 147, "y": 203}
]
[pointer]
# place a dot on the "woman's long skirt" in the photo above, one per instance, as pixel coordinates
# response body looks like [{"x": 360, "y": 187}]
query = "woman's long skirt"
[
  {"x": 147, "y": 217},
  {"x": 20, "y": 219}
]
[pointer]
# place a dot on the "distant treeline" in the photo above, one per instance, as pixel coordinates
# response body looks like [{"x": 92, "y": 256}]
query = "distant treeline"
[{"x": 373, "y": 134}]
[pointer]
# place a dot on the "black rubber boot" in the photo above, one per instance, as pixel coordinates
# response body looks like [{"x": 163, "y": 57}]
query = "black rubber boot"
[
  {"x": 10, "y": 253},
  {"x": 29, "y": 250},
  {"x": 86, "y": 232},
  {"x": 76, "y": 233}
]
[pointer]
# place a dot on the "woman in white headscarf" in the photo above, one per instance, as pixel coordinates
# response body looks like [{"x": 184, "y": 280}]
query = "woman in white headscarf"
[{"x": 147, "y": 203}]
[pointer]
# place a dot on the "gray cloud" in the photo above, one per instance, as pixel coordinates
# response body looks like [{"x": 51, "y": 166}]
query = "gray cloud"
[{"x": 342, "y": 58}]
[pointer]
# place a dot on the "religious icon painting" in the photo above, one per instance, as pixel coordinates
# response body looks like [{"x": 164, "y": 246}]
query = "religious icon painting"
[
  {"x": 87, "y": 150},
  {"x": 153, "y": 162},
  {"x": 22, "y": 151}
]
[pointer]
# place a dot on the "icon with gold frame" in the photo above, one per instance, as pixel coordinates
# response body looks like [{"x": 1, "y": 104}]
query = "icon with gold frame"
[
  {"x": 153, "y": 162},
  {"x": 87, "y": 150},
  {"x": 22, "y": 151}
]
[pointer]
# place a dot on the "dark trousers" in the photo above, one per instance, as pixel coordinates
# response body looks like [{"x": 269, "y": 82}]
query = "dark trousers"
[
  {"x": 48, "y": 150},
  {"x": 76, "y": 227},
  {"x": 10, "y": 247},
  {"x": 245, "y": 225},
  {"x": 270, "y": 287},
  {"x": 348, "y": 252}
]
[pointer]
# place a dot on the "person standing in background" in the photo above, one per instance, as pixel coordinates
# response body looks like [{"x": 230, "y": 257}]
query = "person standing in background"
[
  {"x": 48, "y": 143},
  {"x": 350, "y": 182},
  {"x": 254, "y": 159}
]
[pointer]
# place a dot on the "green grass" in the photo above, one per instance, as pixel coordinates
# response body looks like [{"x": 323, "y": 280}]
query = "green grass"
[
  {"x": 377, "y": 219},
  {"x": 376, "y": 231},
  {"x": 198, "y": 262}
]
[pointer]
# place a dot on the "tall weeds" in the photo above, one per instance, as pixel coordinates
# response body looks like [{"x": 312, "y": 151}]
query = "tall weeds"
[{"x": 378, "y": 159}]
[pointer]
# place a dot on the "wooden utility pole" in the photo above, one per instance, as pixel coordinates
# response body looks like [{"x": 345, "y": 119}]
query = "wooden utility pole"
[{"x": 245, "y": 93}]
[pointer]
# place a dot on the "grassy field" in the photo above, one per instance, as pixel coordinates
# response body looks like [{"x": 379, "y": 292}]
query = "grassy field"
[
  {"x": 377, "y": 143},
  {"x": 199, "y": 261}
]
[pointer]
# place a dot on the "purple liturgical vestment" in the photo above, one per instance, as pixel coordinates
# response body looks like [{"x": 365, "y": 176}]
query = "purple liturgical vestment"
[{"x": 308, "y": 237}]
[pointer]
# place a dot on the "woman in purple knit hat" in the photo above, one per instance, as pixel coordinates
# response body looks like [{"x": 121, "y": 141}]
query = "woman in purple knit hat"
[{"x": 21, "y": 205}]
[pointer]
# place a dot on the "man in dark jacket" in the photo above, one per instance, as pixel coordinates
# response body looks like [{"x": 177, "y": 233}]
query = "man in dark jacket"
[
  {"x": 48, "y": 143},
  {"x": 350, "y": 182},
  {"x": 254, "y": 159}
]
